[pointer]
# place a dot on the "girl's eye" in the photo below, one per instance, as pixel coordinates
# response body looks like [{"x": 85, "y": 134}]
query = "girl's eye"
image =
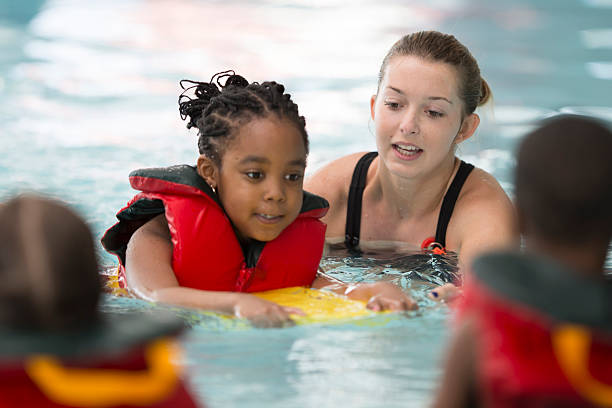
[
  {"x": 294, "y": 177},
  {"x": 392, "y": 105},
  {"x": 255, "y": 175},
  {"x": 435, "y": 114}
]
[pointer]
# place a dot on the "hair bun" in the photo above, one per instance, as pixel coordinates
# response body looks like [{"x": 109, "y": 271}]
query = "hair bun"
[
  {"x": 236, "y": 80},
  {"x": 193, "y": 107},
  {"x": 206, "y": 91}
]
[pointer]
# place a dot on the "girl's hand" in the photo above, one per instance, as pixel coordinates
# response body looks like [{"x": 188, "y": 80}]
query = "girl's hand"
[
  {"x": 445, "y": 293},
  {"x": 382, "y": 296},
  {"x": 263, "y": 313}
]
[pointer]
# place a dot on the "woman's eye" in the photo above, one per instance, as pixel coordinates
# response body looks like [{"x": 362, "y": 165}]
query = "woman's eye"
[
  {"x": 392, "y": 105},
  {"x": 435, "y": 114},
  {"x": 255, "y": 175},
  {"x": 294, "y": 177}
]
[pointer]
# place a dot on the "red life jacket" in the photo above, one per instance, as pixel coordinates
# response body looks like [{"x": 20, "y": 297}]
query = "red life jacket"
[
  {"x": 544, "y": 333},
  {"x": 125, "y": 363},
  {"x": 206, "y": 252}
]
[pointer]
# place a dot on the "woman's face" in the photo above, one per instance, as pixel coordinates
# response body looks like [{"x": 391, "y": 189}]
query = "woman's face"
[
  {"x": 260, "y": 178},
  {"x": 418, "y": 116}
]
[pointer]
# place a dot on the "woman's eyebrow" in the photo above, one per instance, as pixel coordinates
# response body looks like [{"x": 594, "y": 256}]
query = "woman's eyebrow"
[
  {"x": 399, "y": 91},
  {"x": 439, "y": 98},
  {"x": 431, "y": 98}
]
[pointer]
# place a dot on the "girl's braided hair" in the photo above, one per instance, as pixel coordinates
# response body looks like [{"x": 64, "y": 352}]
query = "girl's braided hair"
[{"x": 219, "y": 109}]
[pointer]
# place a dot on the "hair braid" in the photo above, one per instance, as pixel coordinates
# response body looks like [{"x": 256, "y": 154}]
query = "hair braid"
[{"x": 218, "y": 110}]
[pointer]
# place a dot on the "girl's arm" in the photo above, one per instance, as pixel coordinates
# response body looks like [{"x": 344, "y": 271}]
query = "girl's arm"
[
  {"x": 150, "y": 276},
  {"x": 379, "y": 296},
  {"x": 458, "y": 387}
]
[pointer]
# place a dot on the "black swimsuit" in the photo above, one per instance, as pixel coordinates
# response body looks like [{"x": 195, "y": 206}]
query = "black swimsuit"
[{"x": 355, "y": 197}]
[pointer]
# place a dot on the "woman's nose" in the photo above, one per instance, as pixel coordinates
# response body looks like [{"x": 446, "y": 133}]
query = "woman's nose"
[{"x": 409, "y": 122}]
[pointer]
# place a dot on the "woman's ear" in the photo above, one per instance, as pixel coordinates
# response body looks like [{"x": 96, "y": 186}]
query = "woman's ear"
[
  {"x": 208, "y": 170},
  {"x": 372, "y": 104},
  {"x": 468, "y": 127}
]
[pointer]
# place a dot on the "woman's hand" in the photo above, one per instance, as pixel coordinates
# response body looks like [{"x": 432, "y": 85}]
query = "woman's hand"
[
  {"x": 263, "y": 313},
  {"x": 381, "y": 296},
  {"x": 445, "y": 293}
]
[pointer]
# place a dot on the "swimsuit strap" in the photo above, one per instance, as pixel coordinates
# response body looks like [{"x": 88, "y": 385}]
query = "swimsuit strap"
[
  {"x": 450, "y": 198},
  {"x": 355, "y": 197}
]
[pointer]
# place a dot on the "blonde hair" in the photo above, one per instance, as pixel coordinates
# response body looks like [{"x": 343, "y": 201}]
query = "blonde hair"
[{"x": 439, "y": 47}]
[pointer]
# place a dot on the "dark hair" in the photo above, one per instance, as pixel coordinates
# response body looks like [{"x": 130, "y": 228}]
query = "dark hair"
[
  {"x": 48, "y": 266},
  {"x": 563, "y": 180},
  {"x": 219, "y": 109},
  {"x": 439, "y": 47}
]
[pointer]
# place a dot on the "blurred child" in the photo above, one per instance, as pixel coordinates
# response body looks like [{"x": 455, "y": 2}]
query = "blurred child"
[
  {"x": 535, "y": 328},
  {"x": 237, "y": 222},
  {"x": 56, "y": 349}
]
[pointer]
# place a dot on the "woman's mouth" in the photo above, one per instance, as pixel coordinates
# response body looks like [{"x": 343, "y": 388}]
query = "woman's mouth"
[{"x": 407, "y": 152}]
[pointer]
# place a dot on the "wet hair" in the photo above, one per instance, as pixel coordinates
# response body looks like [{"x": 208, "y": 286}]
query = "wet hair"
[
  {"x": 439, "y": 47},
  {"x": 48, "y": 266},
  {"x": 219, "y": 110},
  {"x": 563, "y": 180}
]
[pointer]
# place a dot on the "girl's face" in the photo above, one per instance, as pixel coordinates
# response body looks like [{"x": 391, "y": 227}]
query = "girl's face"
[
  {"x": 260, "y": 178},
  {"x": 418, "y": 116}
]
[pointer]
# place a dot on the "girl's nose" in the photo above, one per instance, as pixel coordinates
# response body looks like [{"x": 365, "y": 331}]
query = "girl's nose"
[{"x": 275, "y": 191}]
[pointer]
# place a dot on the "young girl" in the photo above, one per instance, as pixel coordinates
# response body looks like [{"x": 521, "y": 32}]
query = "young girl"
[
  {"x": 414, "y": 189},
  {"x": 237, "y": 222},
  {"x": 56, "y": 349}
]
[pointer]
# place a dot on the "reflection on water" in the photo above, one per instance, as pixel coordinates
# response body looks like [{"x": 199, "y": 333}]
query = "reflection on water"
[
  {"x": 381, "y": 360},
  {"x": 404, "y": 269},
  {"x": 88, "y": 93}
]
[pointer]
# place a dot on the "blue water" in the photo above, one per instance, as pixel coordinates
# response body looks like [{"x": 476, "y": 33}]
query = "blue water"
[{"x": 88, "y": 92}]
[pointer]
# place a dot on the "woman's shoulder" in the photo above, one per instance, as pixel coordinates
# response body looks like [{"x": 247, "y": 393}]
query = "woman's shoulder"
[
  {"x": 484, "y": 216},
  {"x": 334, "y": 177},
  {"x": 483, "y": 192}
]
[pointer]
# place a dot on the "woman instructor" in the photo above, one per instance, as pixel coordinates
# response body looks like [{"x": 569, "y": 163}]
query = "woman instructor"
[{"x": 414, "y": 190}]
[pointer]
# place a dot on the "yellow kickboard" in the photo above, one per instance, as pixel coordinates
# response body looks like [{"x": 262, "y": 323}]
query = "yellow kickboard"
[{"x": 319, "y": 305}]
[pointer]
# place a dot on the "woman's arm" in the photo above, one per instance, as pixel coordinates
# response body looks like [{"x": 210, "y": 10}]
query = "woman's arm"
[
  {"x": 484, "y": 220},
  {"x": 332, "y": 182},
  {"x": 379, "y": 296},
  {"x": 150, "y": 276}
]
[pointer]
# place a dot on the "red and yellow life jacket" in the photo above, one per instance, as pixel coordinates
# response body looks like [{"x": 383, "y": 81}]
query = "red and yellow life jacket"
[
  {"x": 544, "y": 333},
  {"x": 206, "y": 252},
  {"x": 126, "y": 363}
]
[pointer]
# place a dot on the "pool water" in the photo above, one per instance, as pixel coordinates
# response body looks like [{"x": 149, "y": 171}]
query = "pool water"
[{"x": 88, "y": 92}]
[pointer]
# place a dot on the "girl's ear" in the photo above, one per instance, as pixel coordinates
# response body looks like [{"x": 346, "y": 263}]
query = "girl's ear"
[
  {"x": 208, "y": 170},
  {"x": 468, "y": 127}
]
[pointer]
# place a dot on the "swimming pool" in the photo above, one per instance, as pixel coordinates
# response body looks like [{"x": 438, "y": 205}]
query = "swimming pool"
[{"x": 88, "y": 92}]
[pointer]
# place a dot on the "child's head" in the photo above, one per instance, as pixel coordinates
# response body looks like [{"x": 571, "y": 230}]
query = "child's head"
[
  {"x": 563, "y": 182},
  {"x": 48, "y": 266},
  {"x": 253, "y": 146}
]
